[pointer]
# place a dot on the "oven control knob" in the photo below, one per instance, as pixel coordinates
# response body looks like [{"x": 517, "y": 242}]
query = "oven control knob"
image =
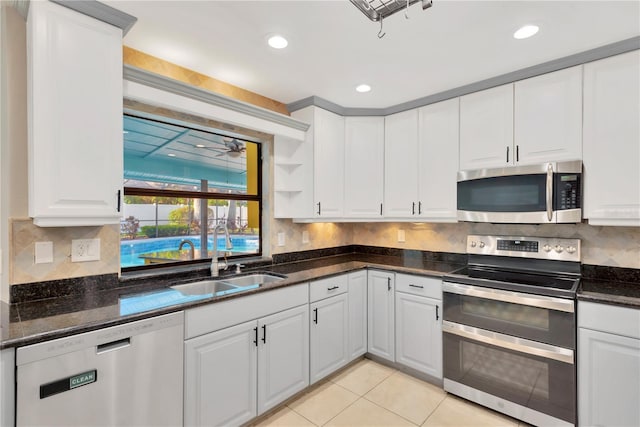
[
  {"x": 546, "y": 248},
  {"x": 559, "y": 248},
  {"x": 571, "y": 249},
  {"x": 473, "y": 244},
  {"x": 482, "y": 244}
]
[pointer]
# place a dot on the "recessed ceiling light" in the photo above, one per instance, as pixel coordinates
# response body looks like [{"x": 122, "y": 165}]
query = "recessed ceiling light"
[
  {"x": 526, "y": 32},
  {"x": 278, "y": 42},
  {"x": 171, "y": 155},
  {"x": 199, "y": 146},
  {"x": 363, "y": 88}
]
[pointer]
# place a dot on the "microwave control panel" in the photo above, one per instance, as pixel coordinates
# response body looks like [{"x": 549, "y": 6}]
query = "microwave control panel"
[{"x": 567, "y": 191}]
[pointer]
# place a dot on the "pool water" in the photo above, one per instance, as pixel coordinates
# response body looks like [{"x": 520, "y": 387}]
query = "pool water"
[{"x": 130, "y": 250}]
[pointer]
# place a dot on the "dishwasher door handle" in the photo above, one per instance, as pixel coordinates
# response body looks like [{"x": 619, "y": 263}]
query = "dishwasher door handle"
[{"x": 113, "y": 345}]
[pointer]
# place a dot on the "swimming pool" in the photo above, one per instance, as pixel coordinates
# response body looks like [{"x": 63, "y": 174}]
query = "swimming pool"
[{"x": 130, "y": 250}]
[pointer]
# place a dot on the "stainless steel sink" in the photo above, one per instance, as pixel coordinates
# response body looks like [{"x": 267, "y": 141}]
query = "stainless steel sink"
[
  {"x": 252, "y": 279},
  {"x": 227, "y": 285},
  {"x": 204, "y": 287}
]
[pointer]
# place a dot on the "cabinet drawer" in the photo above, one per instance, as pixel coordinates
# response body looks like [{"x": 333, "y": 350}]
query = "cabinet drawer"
[
  {"x": 609, "y": 318},
  {"x": 324, "y": 288},
  {"x": 419, "y": 285}
]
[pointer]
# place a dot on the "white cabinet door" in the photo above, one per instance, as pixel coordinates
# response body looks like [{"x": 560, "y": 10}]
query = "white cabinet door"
[
  {"x": 608, "y": 379},
  {"x": 548, "y": 117},
  {"x": 486, "y": 128},
  {"x": 438, "y": 161},
  {"x": 419, "y": 333},
  {"x": 357, "y": 285},
  {"x": 283, "y": 356},
  {"x": 329, "y": 336},
  {"x": 364, "y": 167},
  {"x": 380, "y": 307},
  {"x": 328, "y": 151},
  {"x": 75, "y": 117},
  {"x": 401, "y": 164},
  {"x": 221, "y": 377},
  {"x": 612, "y": 140}
]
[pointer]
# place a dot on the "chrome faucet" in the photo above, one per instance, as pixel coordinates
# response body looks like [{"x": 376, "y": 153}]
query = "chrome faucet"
[
  {"x": 228, "y": 245},
  {"x": 192, "y": 247}
]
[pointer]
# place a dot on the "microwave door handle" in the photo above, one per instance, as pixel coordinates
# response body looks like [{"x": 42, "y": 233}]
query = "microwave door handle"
[{"x": 549, "y": 192}]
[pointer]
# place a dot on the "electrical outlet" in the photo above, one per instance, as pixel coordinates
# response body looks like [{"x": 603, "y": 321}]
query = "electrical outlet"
[
  {"x": 43, "y": 252},
  {"x": 305, "y": 237},
  {"x": 280, "y": 239},
  {"x": 401, "y": 236},
  {"x": 85, "y": 250}
]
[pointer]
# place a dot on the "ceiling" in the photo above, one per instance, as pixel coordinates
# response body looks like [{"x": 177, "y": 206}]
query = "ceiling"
[{"x": 333, "y": 47}]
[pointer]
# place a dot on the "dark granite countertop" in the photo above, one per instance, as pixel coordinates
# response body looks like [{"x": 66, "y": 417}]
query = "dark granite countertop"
[
  {"x": 98, "y": 303},
  {"x": 27, "y": 323}
]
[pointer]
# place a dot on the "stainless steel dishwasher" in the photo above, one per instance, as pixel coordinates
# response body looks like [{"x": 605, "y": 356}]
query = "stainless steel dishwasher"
[{"x": 126, "y": 375}]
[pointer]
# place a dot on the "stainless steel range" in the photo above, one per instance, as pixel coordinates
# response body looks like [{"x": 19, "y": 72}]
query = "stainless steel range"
[{"x": 509, "y": 327}]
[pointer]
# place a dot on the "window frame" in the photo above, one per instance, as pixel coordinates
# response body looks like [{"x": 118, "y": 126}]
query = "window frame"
[{"x": 202, "y": 195}]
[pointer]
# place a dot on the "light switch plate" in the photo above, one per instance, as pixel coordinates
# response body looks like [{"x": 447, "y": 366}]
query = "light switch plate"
[
  {"x": 401, "y": 236},
  {"x": 85, "y": 250},
  {"x": 305, "y": 237},
  {"x": 280, "y": 239},
  {"x": 43, "y": 252}
]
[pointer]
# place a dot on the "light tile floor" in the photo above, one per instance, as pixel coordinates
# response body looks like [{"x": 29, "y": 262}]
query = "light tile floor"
[{"x": 370, "y": 394}]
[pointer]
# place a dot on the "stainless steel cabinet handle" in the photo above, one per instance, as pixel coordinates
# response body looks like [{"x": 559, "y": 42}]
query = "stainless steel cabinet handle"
[
  {"x": 549, "y": 191},
  {"x": 512, "y": 343},
  {"x": 416, "y": 286}
]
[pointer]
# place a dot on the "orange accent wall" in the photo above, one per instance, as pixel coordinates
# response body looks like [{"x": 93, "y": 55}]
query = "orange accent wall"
[{"x": 156, "y": 65}]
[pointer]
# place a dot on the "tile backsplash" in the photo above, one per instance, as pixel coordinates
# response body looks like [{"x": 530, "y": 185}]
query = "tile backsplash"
[{"x": 24, "y": 235}]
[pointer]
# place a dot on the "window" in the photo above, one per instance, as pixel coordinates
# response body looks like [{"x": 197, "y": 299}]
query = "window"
[{"x": 179, "y": 184}]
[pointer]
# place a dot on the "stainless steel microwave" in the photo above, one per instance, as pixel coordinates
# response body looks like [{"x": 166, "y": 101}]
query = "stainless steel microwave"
[{"x": 531, "y": 194}]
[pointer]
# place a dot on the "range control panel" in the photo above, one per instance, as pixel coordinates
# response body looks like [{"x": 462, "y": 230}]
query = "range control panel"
[{"x": 552, "y": 248}]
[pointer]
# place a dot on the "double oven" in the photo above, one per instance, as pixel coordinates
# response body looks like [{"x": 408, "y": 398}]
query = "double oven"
[{"x": 509, "y": 327}]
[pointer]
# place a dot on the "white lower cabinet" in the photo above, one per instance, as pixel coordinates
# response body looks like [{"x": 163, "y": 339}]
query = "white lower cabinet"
[
  {"x": 329, "y": 336},
  {"x": 608, "y": 365},
  {"x": 419, "y": 323},
  {"x": 357, "y": 288},
  {"x": 381, "y": 316},
  {"x": 243, "y": 367},
  {"x": 283, "y": 356},
  {"x": 419, "y": 333},
  {"x": 221, "y": 372}
]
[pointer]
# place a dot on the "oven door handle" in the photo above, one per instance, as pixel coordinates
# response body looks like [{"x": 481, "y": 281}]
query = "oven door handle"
[
  {"x": 540, "y": 301},
  {"x": 508, "y": 342}
]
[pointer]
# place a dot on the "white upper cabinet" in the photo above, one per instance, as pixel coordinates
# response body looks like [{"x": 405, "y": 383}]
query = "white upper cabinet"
[
  {"x": 548, "y": 117},
  {"x": 401, "y": 165},
  {"x": 75, "y": 117},
  {"x": 486, "y": 128},
  {"x": 364, "y": 167},
  {"x": 612, "y": 140},
  {"x": 320, "y": 179},
  {"x": 438, "y": 161},
  {"x": 328, "y": 171}
]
